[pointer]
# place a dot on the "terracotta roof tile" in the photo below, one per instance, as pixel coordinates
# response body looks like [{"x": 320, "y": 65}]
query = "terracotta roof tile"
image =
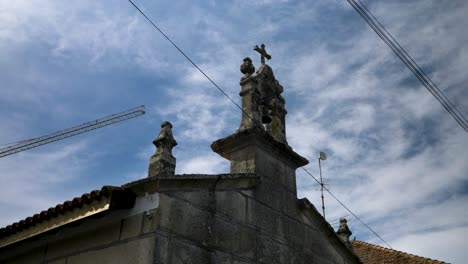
[
  {"x": 77, "y": 202},
  {"x": 373, "y": 254}
]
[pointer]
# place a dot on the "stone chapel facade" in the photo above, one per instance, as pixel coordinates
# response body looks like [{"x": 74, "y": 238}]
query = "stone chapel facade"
[{"x": 249, "y": 215}]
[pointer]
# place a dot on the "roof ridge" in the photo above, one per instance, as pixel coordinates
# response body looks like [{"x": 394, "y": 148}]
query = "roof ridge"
[
  {"x": 398, "y": 251},
  {"x": 67, "y": 205}
]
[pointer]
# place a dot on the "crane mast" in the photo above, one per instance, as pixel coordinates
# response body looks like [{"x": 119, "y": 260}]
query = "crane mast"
[{"x": 80, "y": 129}]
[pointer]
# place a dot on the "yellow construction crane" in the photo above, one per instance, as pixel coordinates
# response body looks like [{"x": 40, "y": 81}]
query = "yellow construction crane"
[{"x": 83, "y": 128}]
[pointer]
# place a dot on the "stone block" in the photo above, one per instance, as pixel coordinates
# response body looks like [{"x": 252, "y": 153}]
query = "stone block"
[
  {"x": 219, "y": 257},
  {"x": 296, "y": 231},
  {"x": 247, "y": 243},
  {"x": 59, "y": 261},
  {"x": 184, "y": 219},
  {"x": 162, "y": 252},
  {"x": 291, "y": 207},
  {"x": 224, "y": 235},
  {"x": 94, "y": 237},
  {"x": 311, "y": 237},
  {"x": 28, "y": 257},
  {"x": 270, "y": 193},
  {"x": 269, "y": 166},
  {"x": 131, "y": 226},
  {"x": 243, "y": 160},
  {"x": 251, "y": 212},
  {"x": 183, "y": 252},
  {"x": 151, "y": 221},
  {"x": 202, "y": 198},
  {"x": 269, "y": 221},
  {"x": 290, "y": 179},
  {"x": 323, "y": 259},
  {"x": 310, "y": 257},
  {"x": 137, "y": 251},
  {"x": 232, "y": 204},
  {"x": 248, "y": 193},
  {"x": 296, "y": 256},
  {"x": 270, "y": 251},
  {"x": 238, "y": 261},
  {"x": 314, "y": 243}
]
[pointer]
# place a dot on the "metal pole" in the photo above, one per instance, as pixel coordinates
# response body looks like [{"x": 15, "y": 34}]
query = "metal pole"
[{"x": 321, "y": 188}]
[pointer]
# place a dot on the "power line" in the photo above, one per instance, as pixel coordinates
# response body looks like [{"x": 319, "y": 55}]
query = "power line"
[
  {"x": 345, "y": 207},
  {"x": 185, "y": 55},
  {"x": 225, "y": 94},
  {"x": 414, "y": 67},
  {"x": 401, "y": 53}
]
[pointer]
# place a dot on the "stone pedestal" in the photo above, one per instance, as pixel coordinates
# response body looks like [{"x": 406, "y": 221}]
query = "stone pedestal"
[
  {"x": 161, "y": 165},
  {"x": 255, "y": 151}
]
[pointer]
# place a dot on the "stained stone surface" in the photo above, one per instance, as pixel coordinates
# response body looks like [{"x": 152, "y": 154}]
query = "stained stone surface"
[
  {"x": 163, "y": 163},
  {"x": 262, "y": 100},
  {"x": 344, "y": 233}
]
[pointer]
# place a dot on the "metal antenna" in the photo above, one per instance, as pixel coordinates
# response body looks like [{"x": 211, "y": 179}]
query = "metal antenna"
[{"x": 322, "y": 156}]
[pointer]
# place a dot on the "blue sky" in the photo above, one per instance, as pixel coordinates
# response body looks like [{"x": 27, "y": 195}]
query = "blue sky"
[{"x": 395, "y": 156}]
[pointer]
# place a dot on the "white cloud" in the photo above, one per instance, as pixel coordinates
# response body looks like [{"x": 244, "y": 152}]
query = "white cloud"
[
  {"x": 206, "y": 164},
  {"x": 85, "y": 33},
  {"x": 394, "y": 154},
  {"x": 199, "y": 115},
  {"x": 359, "y": 119},
  {"x": 29, "y": 179},
  {"x": 448, "y": 243}
]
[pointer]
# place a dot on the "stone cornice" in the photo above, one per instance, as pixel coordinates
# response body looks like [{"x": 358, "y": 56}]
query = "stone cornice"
[
  {"x": 193, "y": 182},
  {"x": 256, "y": 135}
]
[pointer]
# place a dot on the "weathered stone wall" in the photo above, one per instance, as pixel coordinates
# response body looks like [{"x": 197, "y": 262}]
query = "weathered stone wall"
[
  {"x": 285, "y": 230},
  {"x": 242, "y": 227},
  {"x": 261, "y": 225}
]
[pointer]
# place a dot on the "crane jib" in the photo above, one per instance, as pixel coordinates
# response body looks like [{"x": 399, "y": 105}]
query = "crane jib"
[{"x": 69, "y": 132}]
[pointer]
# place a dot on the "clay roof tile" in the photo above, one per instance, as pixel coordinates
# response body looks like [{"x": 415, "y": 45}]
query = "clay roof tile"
[
  {"x": 58, "y": 209},
  {"x": 372, "y": 254}
]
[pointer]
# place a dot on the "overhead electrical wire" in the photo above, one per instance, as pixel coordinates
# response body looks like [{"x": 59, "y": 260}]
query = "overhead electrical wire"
[
  {"x": 187, "y": 57},
  {"x": 345, "y": 207},
  {"x": 401, "y": 53},
  {"x": 238, "y": 106}
]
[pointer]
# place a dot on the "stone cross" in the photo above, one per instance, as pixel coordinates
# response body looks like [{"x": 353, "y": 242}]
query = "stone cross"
[
  {"x": 262, "y": 52},
  {"x": 162, "y": 163}
]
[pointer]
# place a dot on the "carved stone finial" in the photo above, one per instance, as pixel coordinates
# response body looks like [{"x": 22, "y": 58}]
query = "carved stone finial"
[
  {"x": 263, "y": 53},
  {"x": 162, "y": 163},
  {"x": 262, "y": 103},
  {"x": 247, "y": 68},
  {"x": 344, "y": 233}
]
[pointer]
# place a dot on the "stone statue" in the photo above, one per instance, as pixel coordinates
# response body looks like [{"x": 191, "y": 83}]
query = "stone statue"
[{"x": 162, "y": 163}]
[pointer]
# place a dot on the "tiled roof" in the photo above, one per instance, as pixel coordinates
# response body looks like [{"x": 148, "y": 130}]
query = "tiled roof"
[
  {"x": 77, "y": 202},
  {"x": 373, "y": 254}
]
